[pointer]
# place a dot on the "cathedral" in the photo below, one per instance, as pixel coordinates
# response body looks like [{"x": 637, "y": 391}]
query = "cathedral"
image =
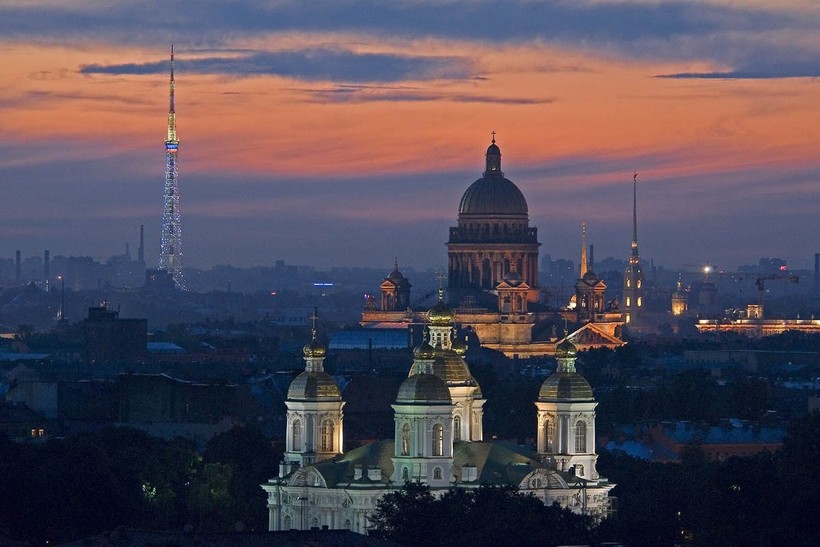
[
  {"x": 438, "y": 439},
  {"x": 492, "y": 279}
]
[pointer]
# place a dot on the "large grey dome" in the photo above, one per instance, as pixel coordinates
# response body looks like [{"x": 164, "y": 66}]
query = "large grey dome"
[{"x": 493, "y": 195}]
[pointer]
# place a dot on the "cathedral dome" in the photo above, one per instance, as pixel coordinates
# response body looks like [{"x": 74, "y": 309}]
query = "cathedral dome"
[
  {"x": 395, "y": 275},
  {"x": 459, "y": 346},
  {"x": 565, "y": 350},
  {"x": 493, "y": 195},
  {"x": 314, "y": 385},
  {"x": 423, "y": 388},
  {"x": 314, "y": 349},
  {"x": 425, "y": 351},
  {"x": 513, "y": 279},
  {"x": 440, "y": 314},
  {"x": 565, "y": 386}
]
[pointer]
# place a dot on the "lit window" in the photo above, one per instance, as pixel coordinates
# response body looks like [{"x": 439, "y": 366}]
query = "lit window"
[
  {"x": 438, "y": 440},
  {"x": 628, "y": 301},
  {"x": 297, "y": 435},
  {"x": 640, "y": 301},
  {"x": 580, "y": 437},
  {"x": 327, "y": 436},
  {"x": 549, "y": 435}
]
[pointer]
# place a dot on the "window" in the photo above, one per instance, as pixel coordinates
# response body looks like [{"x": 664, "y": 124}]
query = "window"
[
  {"x": 348, "y": 525},
  {"x": 638, "y": 284},
  {"x": 405, "y": 474},
  {"x": 549, "y": 435},
  {"x": 287, "y": 524},
  {"x": 297, "y": 435},
  {"x": 437, "y": 473},
  {"x": 438, "y": 440},
  {"x": 405, "y": 440},
  {"x": 640, "y": 301},
  {"x": 628, "y": 282},
  {"x": 457, "y": 428},
  {"x": 327, "y": 436},
  {"x": 580, "y": 437},
  {"x": 628, "y": 301}
]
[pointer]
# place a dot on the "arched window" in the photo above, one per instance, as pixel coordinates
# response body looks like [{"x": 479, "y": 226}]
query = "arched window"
[
  {"x": 628, "y": 302},
  {"x": 640, "y": 301},
  {"x": 457, "y": 428},
  {"x": 296, "y": 431},
  {"x": 405, "y": 474},
  {"x": 405, "y": 440},
  {"x": 314, "y": 523},
  {"x": 580, "y": 437},
  {"x": 327, "y": 436},
  {"x": 287, "y": 524},
  {"x": 437, "y": 473},
  {"x": 638, "y": 284},
  {"x": 628, "y": 282},
  {"x": 348, "y": 525},
  {"x": 438, "y": 440},
  {"x": 549, "y": 435},
  {"x": 310, "y": 432}
]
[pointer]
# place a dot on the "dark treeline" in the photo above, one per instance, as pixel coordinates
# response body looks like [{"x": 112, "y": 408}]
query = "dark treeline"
[
  {"x": 77, "y": 487},
  {"x": 67, "y": 489}
]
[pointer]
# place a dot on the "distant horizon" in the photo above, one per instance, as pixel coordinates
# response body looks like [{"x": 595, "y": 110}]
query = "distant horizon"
[{"x": 317, "y": 136}]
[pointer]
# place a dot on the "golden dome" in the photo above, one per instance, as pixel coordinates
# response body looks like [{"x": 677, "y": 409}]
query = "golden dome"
[
  {"x": 440, "y": 314},
  {"x": 314, "y": 349},
  {"x": 314, "y": 385},
  {"x": 423, "y": 388},
  {"x": 566, "y": 350},
  {"x": 565, "y": 386},
  {"x": 424, "y": 351},
  {"x": 459, "y": 346}
]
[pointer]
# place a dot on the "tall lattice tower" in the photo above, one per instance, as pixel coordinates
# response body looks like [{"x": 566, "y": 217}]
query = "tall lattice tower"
[{"x": 170, "y": 257}]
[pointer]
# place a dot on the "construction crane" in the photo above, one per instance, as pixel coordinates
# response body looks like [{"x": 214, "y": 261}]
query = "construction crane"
[{"x": 761, "y": 286}]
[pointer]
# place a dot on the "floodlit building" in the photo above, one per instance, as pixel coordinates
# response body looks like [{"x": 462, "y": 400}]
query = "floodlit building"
[{"x": 438, "y": 440}]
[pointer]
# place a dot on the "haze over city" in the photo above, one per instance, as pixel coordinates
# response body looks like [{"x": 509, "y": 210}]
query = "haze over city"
[{"x": 345, "y": 134}]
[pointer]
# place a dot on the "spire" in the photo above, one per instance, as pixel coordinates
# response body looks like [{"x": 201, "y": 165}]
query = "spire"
[
  {"x": 635, "y": 214},
  {"x": 584, "y": 265},
  {"x": 493, "y": 159},
  {"x": 172, "y": 120}
]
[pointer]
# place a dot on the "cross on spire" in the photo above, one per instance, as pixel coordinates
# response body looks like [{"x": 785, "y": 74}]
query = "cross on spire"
[
  {"x": 313, "y": 318},
  {"x": 493, "y": 133}
]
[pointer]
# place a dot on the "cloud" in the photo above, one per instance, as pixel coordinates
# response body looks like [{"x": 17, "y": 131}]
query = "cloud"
[
  {"x": 316, "y": 64},
  {"x": 362, "y": 94},
  {"x": 669, "y": 30}
]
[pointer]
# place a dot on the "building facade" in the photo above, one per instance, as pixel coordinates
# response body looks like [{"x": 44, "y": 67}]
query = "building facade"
[{"x": 439, "y": 441}]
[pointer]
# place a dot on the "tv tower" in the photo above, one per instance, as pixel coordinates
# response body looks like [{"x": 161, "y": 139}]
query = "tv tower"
[{"x": 170, "y": 256}]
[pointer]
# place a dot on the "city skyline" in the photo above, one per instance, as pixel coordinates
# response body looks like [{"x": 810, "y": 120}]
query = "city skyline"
[{"x": 346, "y": 134}]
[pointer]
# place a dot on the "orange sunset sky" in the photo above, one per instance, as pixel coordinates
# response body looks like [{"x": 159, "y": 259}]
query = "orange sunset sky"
[{"x": 343, "y": 132}]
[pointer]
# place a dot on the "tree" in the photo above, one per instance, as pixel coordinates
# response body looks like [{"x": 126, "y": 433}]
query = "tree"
[{"x": 488, "y": 515}]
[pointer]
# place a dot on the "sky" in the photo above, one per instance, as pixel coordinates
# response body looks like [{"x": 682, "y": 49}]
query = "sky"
[{"x": 344, "y": 132}]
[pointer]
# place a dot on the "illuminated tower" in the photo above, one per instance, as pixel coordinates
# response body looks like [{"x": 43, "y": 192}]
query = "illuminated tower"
[
  {"x": 633, "y": 276},
  {"x": 170, "y": 256}
]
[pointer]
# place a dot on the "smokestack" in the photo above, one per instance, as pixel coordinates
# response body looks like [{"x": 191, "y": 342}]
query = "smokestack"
[
  {"x": 17, "y": 267},
  {"x": 46, "y": 264},
  {"x": 141, "y": 250},
  {"x": 817, "y": 268},
  {"x": 592, "y": 258}
]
